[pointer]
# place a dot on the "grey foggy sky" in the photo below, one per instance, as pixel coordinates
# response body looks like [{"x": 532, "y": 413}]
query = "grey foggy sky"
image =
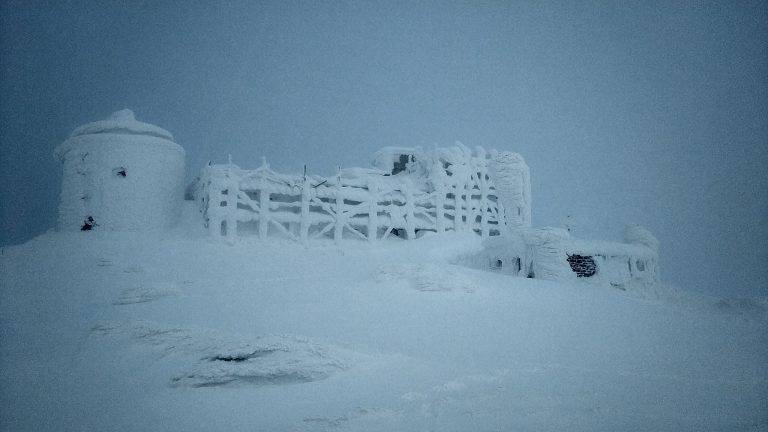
[{"x": 654, "y": 113}]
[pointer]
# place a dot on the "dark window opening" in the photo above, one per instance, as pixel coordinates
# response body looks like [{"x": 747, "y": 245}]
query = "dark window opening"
[
  {"x": 497, "y": 264},
  {"x": 88, "y": 224},
  {"x": 583, "y": 266},
  {"x": 401, "y": 164},
  {"x": 640, "y": 265}
]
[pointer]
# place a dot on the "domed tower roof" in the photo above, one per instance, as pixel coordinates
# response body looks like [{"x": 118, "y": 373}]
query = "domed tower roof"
[{"x": 121, "y": 123}]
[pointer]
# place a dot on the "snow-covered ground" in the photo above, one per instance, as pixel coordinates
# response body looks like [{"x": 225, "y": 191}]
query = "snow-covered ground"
[{"x": 134, "y": 332}]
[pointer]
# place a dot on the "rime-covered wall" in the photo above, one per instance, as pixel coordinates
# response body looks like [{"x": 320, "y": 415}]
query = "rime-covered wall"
[
  {"x": 124, "y": 174},
  {"x": 551, "y": 253},
  {"x": 513, "y": 186}
]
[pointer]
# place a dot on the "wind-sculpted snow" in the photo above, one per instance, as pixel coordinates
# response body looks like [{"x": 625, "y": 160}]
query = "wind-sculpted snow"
[
  {"x": 428, "y": 277},
  {"x": 130, "y": 332},
  {"x": 144, "y": 294},
  {"x": 207, "y": 359}
]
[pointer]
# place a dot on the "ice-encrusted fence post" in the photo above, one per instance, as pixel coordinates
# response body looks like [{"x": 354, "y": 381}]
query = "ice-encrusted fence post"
[
  {"x": 409, "y": 218},
  {"x": 233, "y": 187},
  {"x": 439, "y": 174},
  {"x": 482, "y": 172},
  {"x": 457, "y": 208},
  {"x": 338, "y": 229},
  {"x": 215, "y": 197},
  {"x": 305, "y": 198},
  {"x": 373, "y": 210},
  {"x": 463, "y": 201},
  {"x": 263, "y": 201}
]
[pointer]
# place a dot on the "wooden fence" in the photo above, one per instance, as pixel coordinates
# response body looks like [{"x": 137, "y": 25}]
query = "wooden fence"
[{"x": 364, "y": 204}]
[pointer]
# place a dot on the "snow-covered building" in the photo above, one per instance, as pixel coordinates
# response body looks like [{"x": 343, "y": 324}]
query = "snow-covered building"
[
  {"x": 552, "y": 254},
  {"x": 120, "y": 174},
  {"x": 124, "y": 175}
]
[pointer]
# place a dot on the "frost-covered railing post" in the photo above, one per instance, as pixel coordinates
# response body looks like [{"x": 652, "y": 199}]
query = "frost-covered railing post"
[
  {"x": 338, "y": 197},
  {"x": 439, "y": 185},
  {"x": 305, "y": 198},
  {"x": 482, "y": 173},
  {"x": 233, "y": 188},
  {"x": 373, "y": 210},
  {"x": 465, "y": 202},
  {"x": 457, "y": 206},
  {"x": 410, "y": 230},
  {"x": 263, "y": 201}
]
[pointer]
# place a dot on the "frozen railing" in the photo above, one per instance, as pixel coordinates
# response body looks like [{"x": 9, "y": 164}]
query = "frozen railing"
[{"x": 357, "y": 203}]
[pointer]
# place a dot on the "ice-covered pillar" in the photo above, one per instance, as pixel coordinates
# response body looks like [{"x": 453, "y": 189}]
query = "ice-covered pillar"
[
  {"x": 373, "y": 210},
  {"x": 439, "y": 183},
  {"x": 638, "y": 235},
  {"x": 409, "y": 217},
  {"x": 263, "y": 208},
  {"x": 338, "y": 229},
  {"x": 305, "y": 198},
  {"x": 511, "y": 176},
  {"x": 458, "y": 209},
  {"x": 233, "y": 187},
  {"x": 483, "y": 203},
  {"x": 215, "y": 199}
]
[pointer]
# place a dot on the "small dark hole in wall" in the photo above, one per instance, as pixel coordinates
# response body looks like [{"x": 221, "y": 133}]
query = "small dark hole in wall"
[
  {"x": 88, "y": 224},
  {"x": 119, "y": 171},
  {"x": 583, "y": 266}
]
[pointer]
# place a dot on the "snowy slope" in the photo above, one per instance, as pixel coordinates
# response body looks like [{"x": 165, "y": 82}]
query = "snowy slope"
[{"x": 130, "y": 332}]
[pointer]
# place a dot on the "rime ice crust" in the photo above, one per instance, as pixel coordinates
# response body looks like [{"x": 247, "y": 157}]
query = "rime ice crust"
[
  {"x": 124, "y": 174},
  {"x": 513, "y": 186}
]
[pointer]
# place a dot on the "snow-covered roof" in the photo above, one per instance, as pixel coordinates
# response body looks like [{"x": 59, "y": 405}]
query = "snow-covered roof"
[
  {"x": 598, "y": 247},
  {"x": 120, "y": 127},
  {"x": 122, "y": 122}
]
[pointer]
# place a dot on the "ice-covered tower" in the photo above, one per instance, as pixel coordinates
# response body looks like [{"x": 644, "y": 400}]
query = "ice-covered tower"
[
  {"x": 512, "y": 178},
  {"x": 120, "y": 175}
]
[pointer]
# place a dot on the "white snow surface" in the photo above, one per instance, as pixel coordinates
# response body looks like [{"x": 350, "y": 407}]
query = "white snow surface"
[{"x": 132, "y": 332}]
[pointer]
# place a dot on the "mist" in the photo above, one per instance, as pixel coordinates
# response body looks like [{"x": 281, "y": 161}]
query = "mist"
[{"x": 649, "y": 113}]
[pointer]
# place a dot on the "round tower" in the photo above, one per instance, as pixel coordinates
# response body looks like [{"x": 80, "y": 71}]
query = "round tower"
[{"x": 120, "y": 175}]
